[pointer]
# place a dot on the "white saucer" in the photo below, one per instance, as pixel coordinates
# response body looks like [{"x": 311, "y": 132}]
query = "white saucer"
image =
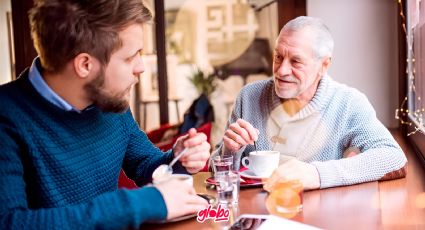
[{"x": 250, "y": 174}]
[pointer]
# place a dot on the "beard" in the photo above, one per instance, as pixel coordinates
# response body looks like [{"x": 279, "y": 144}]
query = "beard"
[
  {"x": 291, "y": 88},
  {"x": 104, "y": 100}
]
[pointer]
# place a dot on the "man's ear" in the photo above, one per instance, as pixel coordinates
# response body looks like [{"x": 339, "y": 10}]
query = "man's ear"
[
  {"x": 326, "y": 62},
  {"x": 83, "y": 65}
]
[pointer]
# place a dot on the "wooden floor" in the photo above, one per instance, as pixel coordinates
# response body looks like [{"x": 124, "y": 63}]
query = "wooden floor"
[{"x": 403, "y": 201}]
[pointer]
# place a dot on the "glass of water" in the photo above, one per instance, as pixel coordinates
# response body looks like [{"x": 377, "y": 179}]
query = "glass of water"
[
  {"x": 222, "y": 163},
  {"x": 228, "y": 185}
]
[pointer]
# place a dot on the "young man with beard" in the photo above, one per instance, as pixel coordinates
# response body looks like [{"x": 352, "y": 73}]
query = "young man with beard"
[
  {"x": 66, "y": 130},
  {"x": 330, "y": 129}
]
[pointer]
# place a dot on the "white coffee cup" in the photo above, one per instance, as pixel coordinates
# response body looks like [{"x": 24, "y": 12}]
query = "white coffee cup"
[
  {"x": 185, "y": 178},
  {"x": 262, "y": 163}
]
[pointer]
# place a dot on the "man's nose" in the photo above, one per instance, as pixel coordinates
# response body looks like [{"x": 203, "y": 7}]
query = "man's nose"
[
  {"x": 139, "y": 67},
  {"x": 285, "y": 68}
]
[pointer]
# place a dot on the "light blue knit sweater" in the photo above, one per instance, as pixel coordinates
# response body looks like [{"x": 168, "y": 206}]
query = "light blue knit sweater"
[{"x": 347, "y": 120}]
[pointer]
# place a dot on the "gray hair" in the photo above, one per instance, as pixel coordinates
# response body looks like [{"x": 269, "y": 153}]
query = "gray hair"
[{"x": 324, "y": 42}]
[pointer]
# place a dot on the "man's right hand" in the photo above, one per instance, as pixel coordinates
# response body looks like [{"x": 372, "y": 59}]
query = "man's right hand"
[
  {"x": 180, "y": 198},
  {"x": 239, "y": 134}
]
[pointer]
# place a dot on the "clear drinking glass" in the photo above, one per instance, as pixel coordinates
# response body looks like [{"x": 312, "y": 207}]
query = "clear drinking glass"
[
  {"x": 285, "y": 198},
  {"x": 222, "y": 163},
  {"x": 228, "y": 185}
]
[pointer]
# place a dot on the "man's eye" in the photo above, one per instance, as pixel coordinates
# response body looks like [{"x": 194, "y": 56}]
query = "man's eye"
[
  {"x": 138, "y": 54},
  {"x": 277, "y": 57}
]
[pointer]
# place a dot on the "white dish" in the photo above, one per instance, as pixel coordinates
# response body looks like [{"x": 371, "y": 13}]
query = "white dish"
[{"x": 250, "y": 174}]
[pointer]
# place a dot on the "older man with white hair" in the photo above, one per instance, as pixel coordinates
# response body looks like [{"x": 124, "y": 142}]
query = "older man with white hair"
[{"x": 331, "y": 130}]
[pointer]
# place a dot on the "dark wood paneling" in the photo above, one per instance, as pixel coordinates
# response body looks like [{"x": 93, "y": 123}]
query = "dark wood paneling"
[
  {"x": 162, "y": 61},
  {"x": 290, "y": 9},
  {"x": 24, "y": 48}
]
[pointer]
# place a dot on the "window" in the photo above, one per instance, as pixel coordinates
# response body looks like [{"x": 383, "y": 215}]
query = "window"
[
  {"x": 416, "y": 63},
  {"x": 415, "y": 31}
]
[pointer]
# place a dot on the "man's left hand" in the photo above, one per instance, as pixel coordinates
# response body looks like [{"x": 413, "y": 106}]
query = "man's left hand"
[
  {"x": 198, "y": 150},
  {"x": 295, "y": 170}
]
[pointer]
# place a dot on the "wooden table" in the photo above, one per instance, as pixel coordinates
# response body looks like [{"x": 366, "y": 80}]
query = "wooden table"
[{"x": 392, "y": 204}]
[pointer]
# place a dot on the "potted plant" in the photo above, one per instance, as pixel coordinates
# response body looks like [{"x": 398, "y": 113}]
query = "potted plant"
[{"x": 204, "y": 83}]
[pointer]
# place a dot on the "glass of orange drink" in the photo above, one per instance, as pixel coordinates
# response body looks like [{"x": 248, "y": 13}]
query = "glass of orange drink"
[{"x": 285, "y": 198}]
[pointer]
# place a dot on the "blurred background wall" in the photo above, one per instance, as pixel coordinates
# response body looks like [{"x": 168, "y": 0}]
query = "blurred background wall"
[{"x": 366, "y": 49}]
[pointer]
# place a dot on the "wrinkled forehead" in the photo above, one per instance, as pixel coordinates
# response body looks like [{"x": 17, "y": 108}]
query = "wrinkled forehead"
[
  {"x": 305, "y": 35},
  {"x": 300, "y": 40}
]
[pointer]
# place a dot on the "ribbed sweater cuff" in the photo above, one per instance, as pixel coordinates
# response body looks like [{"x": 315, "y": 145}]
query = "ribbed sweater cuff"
[
  {"x": 154, "y": 207},
  {"x": 328, "y": 177}
]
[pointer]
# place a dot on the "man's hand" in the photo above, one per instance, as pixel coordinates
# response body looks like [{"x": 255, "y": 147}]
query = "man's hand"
[
  {"x": 180, "y": 198},
  {"x": 198, "y": 150},
  {"x": 239, "y": 134},
  {"x": 295, "y": 170}
]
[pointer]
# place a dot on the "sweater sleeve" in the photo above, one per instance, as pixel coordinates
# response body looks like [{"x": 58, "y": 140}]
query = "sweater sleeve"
[
  {"x": 142, "y": 156},
  {"x": 380, "y": 156},
  {"x": 113, "y": 210}
]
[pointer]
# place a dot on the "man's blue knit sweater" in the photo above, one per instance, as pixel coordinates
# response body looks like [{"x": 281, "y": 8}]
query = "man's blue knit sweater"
[{"x": 59, "y": 169}]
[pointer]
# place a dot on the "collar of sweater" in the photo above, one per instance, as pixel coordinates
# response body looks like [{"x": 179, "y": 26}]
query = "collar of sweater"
[{"x": 318, "y": 102}]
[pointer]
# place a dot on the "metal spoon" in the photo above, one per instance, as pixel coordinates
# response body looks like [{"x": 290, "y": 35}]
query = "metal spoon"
[
  {"x": 255, "y": 146},
  {"x": 164, "y": 170}
]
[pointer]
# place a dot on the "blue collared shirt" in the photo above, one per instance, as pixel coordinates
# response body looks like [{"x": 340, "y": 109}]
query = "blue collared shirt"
[{"x": 42, "y": 88}]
